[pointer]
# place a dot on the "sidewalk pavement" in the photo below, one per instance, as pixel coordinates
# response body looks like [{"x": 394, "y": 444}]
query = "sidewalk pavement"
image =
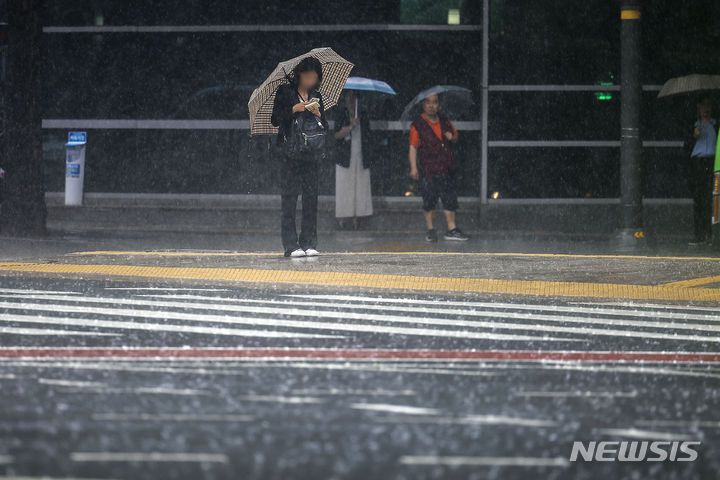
[{"x": 664, "y": 219}]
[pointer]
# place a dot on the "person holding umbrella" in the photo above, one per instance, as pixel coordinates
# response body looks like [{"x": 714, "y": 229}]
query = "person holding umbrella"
[
  {"x": 702, "y": 159},
  {"x": 701, "y": 147},
  {"x": 294, "y": 102},
  {"x": 353, "y": 195},
  {"x": 291, "y": 103},
  {"x": 431, "y": 139}
]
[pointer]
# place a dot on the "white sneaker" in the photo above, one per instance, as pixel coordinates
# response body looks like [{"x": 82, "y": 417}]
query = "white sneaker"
[
  {"x": 297, "y": 253},
  {"x": 311, "y": 252}
]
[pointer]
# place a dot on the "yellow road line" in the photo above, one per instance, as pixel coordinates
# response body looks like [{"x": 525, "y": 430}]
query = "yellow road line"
[
  {"x": 327, "y": 254},
  {"x": 345, "y": 279},
  {"x": 694, "y": 282}
]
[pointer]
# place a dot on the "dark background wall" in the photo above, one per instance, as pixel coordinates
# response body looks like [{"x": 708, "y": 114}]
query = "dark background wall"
[{"x": 211, "y": 75}]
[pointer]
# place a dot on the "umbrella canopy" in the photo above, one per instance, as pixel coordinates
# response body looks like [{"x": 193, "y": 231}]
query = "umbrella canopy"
[
  {"x": 368, "y": 85},
  {"x": 335, "y": 71},
  {"x": 690, "y": 84},
  {"x": 454, "y": 100}
]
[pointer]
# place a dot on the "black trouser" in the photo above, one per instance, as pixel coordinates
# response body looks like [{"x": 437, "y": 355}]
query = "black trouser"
[
  {"x": 701, "y": 184},
  {"x": 299, "y": 176}
]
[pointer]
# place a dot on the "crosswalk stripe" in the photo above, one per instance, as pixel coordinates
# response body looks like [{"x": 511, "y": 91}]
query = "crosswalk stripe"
[
  {"x": 341, "y": 302},
  {"x": 31, "y": 291},
  {"x": 425, "y": 332},
  {"x": 490, "y": 314},
  {"x": 658, "y": 306},
  {"x": 148, "y": 457},
  {"x": 351, "y": 315},
  {"x": 153, "y": 327},
  {"x": 51, "y": 332},
  {"x": 522, "y": 306},
  {"x": 374, "y": 306}
]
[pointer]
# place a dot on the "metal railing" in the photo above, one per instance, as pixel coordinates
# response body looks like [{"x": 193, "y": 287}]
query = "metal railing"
[{"x": 387, "y": 125}]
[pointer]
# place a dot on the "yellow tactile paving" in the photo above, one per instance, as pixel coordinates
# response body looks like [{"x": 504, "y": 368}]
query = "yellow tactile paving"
[
  {"x": 345, "y": 279},
  {"x": 694, "y": 282}
]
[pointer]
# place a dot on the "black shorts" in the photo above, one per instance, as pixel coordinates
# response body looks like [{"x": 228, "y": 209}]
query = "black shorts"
[{"x": 442, "y": 188}]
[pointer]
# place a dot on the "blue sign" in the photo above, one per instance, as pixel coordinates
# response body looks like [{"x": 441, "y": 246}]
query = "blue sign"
[
  {"x": 76, "y": 138},
  {"x": 72, "y": 170}
]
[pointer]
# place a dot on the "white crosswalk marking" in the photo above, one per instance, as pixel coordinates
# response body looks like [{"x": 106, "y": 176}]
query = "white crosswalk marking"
[
  {"x": 328, "y": 316},
  {"x": 674, "y": 324},
  {"x": 147, "y": 457},
  {"x": 153, "y": 327},
  {"x": 276, "y": 322},
  {"x": 599, "y": 309},
  {"x": 50, "y": 331},
  {"x": 492, "y": 313}
]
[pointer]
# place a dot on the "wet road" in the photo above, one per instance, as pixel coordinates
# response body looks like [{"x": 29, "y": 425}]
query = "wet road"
[{"x": 150, "y": 379}]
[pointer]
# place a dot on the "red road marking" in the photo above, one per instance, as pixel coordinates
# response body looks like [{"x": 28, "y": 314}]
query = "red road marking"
[{"x": 361, "y": 354}]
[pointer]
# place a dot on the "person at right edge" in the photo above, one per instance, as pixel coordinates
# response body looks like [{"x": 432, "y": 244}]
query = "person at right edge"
[
  {"x": 431, "y": 135},
  {"x": 700, "y": 178}
]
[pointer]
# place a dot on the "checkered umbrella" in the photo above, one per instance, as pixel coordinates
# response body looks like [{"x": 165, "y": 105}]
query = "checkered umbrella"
[{"x": 335, "y": 72}]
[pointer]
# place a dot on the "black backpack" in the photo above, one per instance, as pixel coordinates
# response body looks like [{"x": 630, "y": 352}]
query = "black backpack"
[{"x": 307, "y": 135}]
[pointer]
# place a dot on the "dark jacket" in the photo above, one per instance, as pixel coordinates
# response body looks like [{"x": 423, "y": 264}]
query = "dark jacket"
[
  {"x": 282, "y": 114},
  {"x": 436, "y": 157},
  {"x": 342, "y": 146}
]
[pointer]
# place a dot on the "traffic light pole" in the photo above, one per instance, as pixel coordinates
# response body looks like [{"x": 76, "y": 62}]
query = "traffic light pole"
[
  {"x": 23, "y": 208},
  {"x": 630, "y": 235}
]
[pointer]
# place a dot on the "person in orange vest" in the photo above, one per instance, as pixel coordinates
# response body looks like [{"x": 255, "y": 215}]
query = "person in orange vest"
[{"x": 431, "y": 139}]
